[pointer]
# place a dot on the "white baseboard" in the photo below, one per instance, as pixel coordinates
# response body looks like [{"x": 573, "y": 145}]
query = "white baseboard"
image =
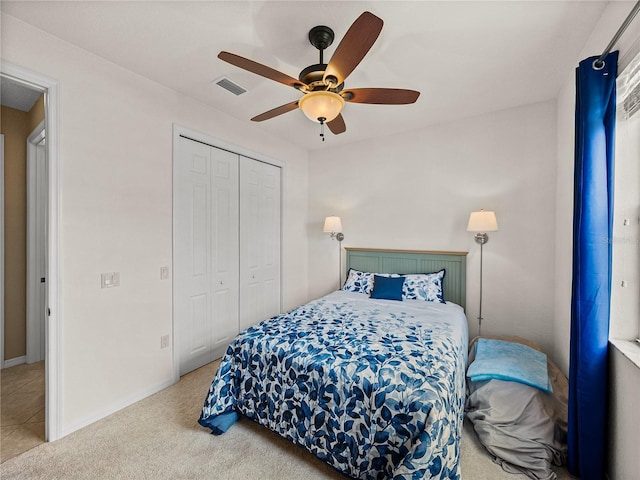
[
  {"x": 105, "y": 412},
  {"x": 12, "y": 362}
]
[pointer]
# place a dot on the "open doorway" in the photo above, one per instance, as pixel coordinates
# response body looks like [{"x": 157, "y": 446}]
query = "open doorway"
[
  {"x": 39, "y": 347},
  {"x": 22, "y": 409}
]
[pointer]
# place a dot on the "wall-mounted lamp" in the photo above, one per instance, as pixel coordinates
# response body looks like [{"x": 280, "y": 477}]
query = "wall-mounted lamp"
[
  {"x": 333, "y": 226},
  {"x": 482, "y": 222}
]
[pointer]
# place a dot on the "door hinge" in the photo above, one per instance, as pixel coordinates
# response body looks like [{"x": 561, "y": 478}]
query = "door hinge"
[{"x": 48, "y": 312}]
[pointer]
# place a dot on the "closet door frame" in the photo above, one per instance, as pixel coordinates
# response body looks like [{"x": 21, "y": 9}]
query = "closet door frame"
[{"x": 182, "y": 131}]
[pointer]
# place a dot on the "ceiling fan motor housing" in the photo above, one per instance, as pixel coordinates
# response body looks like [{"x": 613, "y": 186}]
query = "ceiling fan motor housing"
[
  {"x": 313, "y": 75},
  {"x": 320, "y": 37}
]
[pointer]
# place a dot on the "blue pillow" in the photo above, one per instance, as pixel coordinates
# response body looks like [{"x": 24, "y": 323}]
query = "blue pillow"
[{"x": 387, "y": 288}]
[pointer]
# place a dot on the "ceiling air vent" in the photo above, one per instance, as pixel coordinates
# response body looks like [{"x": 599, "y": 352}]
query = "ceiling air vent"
[{"x": 229, "y": 85}]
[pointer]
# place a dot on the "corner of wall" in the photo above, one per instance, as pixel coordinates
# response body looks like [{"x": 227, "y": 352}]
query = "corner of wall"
[{"x": 563, "y": 226}]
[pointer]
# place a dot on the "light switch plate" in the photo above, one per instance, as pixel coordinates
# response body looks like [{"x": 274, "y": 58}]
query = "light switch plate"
[
  {"x": 164, "y": 273},
  {"x": 164, "y": 341}
]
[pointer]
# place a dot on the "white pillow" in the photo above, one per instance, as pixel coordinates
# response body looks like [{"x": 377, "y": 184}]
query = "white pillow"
[
  {"x": 359, "y": 282},
  {"x": 424, "y": 286}
]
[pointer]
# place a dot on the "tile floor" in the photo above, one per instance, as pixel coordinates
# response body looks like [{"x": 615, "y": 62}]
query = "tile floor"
[{"x": 21, "y": 409}]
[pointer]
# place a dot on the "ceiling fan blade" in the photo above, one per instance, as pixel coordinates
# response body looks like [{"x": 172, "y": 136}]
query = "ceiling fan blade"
[
  {"x": 354, "y": 46},
  {"x": 380, "y": 96},
  {"x": 276, "y": 111},
  {"x": 337, "y": 125},
  {"x": 259, "y": 69}
]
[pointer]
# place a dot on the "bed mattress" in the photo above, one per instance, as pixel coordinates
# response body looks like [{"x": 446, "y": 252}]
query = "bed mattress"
[{"x": 375, "y": 388}]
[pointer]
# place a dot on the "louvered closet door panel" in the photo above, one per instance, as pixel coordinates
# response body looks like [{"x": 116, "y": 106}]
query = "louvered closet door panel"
[
  {"x": 225, "y": 248},
  {"x": 193, "y": 254},
  {"x": 259, "y": 241}
]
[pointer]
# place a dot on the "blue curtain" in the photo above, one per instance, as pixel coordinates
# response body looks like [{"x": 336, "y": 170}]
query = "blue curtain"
[{"x": 591, "y": 289}]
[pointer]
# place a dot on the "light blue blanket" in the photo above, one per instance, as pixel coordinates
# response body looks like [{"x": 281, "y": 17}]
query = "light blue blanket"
[{"x": 501, "y": 360}]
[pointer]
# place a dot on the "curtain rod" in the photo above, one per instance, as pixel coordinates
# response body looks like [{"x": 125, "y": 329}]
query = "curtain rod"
[{"x": 598, "y": 64}]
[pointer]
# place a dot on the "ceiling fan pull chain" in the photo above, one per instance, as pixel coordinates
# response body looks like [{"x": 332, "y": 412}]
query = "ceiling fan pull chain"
[{"x": 321, "y": 120}]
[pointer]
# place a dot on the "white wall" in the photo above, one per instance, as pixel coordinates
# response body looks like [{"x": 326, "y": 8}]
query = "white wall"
[
  {"x": 624, "y": 420},
  {"x": 624, "y": 375},
  {"x": 416, "y": 190},
  {"x": 564, "y": 225},
  {"x": 116, "y": 154}
]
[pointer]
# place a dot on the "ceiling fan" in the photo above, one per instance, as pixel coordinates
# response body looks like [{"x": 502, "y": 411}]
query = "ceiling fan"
[{"x": 322, "y": 84}]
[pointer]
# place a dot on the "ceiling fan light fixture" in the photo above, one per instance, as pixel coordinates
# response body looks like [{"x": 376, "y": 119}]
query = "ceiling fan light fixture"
[{"x": 321, "y": 104}]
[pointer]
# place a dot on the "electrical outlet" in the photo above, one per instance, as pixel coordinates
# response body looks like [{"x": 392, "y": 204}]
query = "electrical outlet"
[{"x": 164, "y": 341}]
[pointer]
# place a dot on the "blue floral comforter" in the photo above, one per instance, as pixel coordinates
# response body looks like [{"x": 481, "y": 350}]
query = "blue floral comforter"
[{"x": 375, "y": 388}]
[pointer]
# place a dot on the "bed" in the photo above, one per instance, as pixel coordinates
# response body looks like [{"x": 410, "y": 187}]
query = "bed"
[{"x": 373, "y": 387}]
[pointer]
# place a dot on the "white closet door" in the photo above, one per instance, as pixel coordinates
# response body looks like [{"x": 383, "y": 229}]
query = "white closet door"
[
  {"x": 259, "y": 241},
  {"x": 192, "y": 271},
  {"x": 271, "y": 224},
  {"x": 206, "y": 266},
  {"x": 225, "y": 262}
]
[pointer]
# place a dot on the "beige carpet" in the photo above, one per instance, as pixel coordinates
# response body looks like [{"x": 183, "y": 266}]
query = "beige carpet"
[{"x": 159, "y": 438}]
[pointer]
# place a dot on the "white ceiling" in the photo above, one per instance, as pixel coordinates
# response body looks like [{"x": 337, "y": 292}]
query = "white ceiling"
[
  {"x": 16, "y": 95},
  {"x": 466, "y": 58}
]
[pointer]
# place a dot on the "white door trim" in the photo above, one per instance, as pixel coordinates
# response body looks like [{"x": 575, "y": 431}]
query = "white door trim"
[
  {"x": 34, "y": 322},
  {"x": 1, "y": 251},
  {"x": 53, "y": 368}
]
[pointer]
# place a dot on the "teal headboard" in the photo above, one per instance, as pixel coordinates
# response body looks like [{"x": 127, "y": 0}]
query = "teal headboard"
[{"x": 412, "y": 261}]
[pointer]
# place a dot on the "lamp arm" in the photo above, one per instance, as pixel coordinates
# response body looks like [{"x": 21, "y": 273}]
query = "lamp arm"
[
  {"x": 339, "y": 236},
  {"x": 480, "y": 311},
  {"x": 339, "y": 260}
]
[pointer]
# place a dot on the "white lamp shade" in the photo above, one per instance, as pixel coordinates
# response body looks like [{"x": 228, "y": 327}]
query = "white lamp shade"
[
  {"x": 332, "y": 225},
  {"x": 482, "y": 222},
  {"x": 322, "y": 104}
]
